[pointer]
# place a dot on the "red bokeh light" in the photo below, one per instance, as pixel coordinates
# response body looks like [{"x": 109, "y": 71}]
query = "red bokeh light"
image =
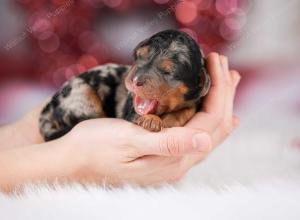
[
  {"x": 88, "y": 61},
  {"x": 61, "y": 36},
  {"x": 186, "y": 12}
]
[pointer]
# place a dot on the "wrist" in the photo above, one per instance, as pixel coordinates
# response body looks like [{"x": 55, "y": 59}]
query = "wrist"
[
  {"x": 71, "y": 161},
  {"x": 86, "y": 166},
  {"x": 76, "y": 158}
]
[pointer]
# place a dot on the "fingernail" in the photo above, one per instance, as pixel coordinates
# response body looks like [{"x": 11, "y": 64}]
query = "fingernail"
[{"x": 201, "y": 142}]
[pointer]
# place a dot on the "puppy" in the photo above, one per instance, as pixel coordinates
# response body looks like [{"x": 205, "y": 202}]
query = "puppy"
[{"x": 163, "y": 88}]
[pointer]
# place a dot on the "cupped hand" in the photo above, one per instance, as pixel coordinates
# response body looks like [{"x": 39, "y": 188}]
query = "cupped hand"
[
  {"x": 116, "y": 151},
  {"x": 216, "y": 117}
]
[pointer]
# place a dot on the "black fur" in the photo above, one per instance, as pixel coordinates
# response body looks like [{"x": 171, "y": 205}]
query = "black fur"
[
  {"x": 128, "y": 110},
  {"x": 109, "y": 102},
  {"x": 92, "y": 78}
]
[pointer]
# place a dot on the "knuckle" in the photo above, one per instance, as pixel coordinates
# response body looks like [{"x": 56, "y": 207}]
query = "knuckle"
[
  {"x": 172, "y": 146},
  {"x": 170, "y": 143}
]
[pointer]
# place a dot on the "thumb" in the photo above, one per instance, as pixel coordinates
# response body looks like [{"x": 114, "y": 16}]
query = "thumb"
[{"x": 173, "y": 142}]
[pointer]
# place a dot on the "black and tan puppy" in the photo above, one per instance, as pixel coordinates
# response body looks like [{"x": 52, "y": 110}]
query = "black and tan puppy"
[{"x": 163, "y": 88}]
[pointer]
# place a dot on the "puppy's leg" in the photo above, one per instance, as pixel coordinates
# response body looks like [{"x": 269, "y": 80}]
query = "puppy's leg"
[
  {"x": 173, "y": 119},
  {"x": 150, "y": 122},
  {"x": 178, "y": 118},
  {"x": 75, "y": 102}
]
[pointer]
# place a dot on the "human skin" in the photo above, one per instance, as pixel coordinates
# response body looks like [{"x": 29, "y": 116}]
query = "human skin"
[{"x": 114, "y": 151}]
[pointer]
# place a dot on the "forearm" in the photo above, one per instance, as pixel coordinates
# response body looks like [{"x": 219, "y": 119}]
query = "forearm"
[
  {"x": 12, "y": 136},
  {"x": 43, "y": 162}
]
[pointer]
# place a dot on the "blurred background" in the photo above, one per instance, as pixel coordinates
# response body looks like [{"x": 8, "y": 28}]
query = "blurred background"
[{"x": 46, "y": 42}]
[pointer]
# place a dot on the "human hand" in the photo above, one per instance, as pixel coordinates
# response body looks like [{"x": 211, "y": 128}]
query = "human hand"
[
  {"x": 115, "y": 151},
  {"x": 127, "y": 153},
  {"x": 216, "y": 117}
]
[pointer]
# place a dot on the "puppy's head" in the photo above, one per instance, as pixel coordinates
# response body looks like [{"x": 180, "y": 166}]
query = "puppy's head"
[{"x": 168, "y": 73}]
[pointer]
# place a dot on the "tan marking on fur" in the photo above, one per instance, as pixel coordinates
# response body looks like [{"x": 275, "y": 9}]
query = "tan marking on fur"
[
  {"x": 83, "y": 100},
  {"x": 178, "y": 118},
  {"x": 175, "y": 98},
  {"x": 183, "y": 89},
  {"x": 94, "y": 100},
  {"x": 167, "y": 65},
  {"x": 55, "y": 125},
  {"x": 143, "y": 52}
]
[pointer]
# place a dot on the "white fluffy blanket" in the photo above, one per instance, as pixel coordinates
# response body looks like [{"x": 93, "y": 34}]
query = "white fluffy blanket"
[{"x": 255, "y": 174}]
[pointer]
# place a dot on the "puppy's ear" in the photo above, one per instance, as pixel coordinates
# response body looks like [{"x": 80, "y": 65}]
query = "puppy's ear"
[
  {"x": 141, "y": 44},
  {"x": 205, "y": 81}
]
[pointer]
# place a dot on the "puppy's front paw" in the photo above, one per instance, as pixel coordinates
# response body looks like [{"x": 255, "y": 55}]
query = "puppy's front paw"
[{"x": 150, "y": 122}]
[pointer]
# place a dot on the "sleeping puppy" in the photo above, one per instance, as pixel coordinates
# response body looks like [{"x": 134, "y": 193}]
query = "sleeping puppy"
[{"x": 163, "y": 88}]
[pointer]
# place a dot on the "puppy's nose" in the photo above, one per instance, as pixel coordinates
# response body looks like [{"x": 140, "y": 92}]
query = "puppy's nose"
[{"x": 139, "y": 80}]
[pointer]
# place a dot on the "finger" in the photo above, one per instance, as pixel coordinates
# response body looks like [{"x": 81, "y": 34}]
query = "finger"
[
  {"x": 234, "y": 80},
  {"x": 172, "y": 142},
  {"x": 224, "y": 63},
  {"x": 204, "y": 122},
  {"x": 228, "y": 97},
  {"x": 214, "y": 101},
  {"x": 217, "y": 126},
  {"x": 152, "y": 163},
  {"x": 215, "y": 69}
]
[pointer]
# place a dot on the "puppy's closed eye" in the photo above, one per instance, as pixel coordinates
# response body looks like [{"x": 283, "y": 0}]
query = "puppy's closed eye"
[{"x": 166, "y": 72}]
